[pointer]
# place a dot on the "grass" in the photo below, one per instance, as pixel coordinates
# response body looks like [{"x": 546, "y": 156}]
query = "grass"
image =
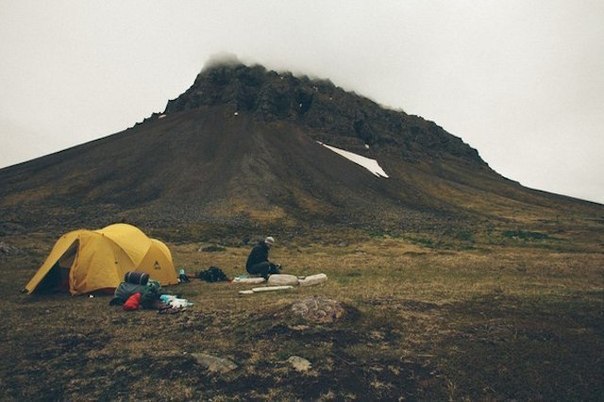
[
  {"x": 422, "y": 322},
  {"x": 525, "y": 235}
]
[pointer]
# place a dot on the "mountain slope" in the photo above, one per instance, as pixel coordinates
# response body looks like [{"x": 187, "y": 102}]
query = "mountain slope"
[{"x": 241, "y": 147}]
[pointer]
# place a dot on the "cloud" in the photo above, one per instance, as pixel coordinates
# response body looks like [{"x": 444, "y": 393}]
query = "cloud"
[{"x": 221, "y": 59}]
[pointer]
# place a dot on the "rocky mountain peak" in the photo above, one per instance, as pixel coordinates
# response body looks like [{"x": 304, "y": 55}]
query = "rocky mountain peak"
[
  {"x": 333, "y": 114},
  {"x": 269, "y": 94},
  {"x": 239, "y": 150}
]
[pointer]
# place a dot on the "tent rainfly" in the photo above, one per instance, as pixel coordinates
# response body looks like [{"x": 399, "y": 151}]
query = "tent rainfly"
[{"x": 85, "y": 261}]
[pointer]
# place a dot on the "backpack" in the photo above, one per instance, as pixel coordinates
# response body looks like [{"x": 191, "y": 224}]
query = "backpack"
[
  {"x": 150, "y": 294},
  {"x": 212, "y": 274}
]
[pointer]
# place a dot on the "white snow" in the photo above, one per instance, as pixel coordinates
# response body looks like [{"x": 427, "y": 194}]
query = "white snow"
[{"x": 370, "y": 164}]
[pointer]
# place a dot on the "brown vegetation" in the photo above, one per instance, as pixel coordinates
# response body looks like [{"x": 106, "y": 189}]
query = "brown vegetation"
[{"x": 422, "y": 322}]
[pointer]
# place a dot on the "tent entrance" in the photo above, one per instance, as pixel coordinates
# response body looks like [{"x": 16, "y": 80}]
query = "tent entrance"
[{"x": 57, "y": 279}]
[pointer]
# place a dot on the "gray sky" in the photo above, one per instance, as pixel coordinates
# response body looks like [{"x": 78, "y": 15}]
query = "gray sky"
[{"x": 521, "y": 81}]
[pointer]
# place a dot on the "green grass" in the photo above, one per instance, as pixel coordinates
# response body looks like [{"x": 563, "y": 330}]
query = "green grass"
[
  {"x": 525, "y": 235},
  {"x": 421, "y": 323}
]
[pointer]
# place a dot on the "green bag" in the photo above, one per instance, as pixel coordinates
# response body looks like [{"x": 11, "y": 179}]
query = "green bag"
[{"x": 150, "y": 294}]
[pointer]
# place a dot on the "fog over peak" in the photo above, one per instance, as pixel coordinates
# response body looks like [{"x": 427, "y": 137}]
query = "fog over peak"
[{"x": 221, "y": 59}]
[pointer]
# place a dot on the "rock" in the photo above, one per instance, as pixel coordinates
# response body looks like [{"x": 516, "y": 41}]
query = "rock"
[
  {"x": 283, "y": 280},
  {"x": 299, "y": 363},
  {"x": 300, "y": 327},
  {"x": 320, "y": 106},
  {"x": 213, "y": 363},
  {"x": 313, "y": 280},
  {"x": 318, "y": 309}
]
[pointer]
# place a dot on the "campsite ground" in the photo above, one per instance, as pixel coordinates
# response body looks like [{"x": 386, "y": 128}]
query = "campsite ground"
[{"x": 517, "y": 318}]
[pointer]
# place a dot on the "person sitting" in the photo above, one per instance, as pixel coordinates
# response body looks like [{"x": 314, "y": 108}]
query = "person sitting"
[{"x": 258, "y": 262}]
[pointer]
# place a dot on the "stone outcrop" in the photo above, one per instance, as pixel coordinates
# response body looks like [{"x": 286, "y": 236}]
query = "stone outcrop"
[{"x": 337, "y": 116}]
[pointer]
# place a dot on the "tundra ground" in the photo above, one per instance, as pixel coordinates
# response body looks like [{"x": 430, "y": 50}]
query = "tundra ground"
[{"x": 520, "y": 320}]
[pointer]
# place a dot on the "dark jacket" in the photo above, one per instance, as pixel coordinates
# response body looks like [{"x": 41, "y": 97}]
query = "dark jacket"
[{"x": 258, "y": 254}]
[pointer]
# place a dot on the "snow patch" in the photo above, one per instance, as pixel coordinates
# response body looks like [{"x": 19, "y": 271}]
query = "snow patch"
[{"x": 370, "y": 164}]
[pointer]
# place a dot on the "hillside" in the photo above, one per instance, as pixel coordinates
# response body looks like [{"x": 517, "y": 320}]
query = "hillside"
[
  {"x": 446, "y": 281},
  {"x": 240, "y": 148}
]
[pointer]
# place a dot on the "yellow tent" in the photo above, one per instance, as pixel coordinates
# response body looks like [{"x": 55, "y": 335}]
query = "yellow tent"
[{"x": 87, "y": 260}]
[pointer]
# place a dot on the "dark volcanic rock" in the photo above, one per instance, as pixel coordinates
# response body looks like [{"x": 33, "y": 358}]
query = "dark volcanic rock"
[{"x": 319, "y": 105}]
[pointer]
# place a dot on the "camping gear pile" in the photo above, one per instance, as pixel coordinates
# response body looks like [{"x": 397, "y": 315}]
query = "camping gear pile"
[
  {"x": 212, "y": 274},
  {"x": 139, "y": 291}
]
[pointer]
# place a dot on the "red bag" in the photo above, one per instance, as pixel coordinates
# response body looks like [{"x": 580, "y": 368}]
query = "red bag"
[{"x": 133, "y": 302}]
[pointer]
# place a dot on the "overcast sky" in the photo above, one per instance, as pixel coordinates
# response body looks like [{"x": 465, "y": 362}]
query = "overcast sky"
[{"x": 521, "y": 81}]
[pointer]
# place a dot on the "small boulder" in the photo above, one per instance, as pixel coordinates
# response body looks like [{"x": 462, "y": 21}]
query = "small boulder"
[
  {"x": 283, "y": 280},
  {"x": 299, "y": 363},
  {"x": 318, "y": 309},
  {"x": 313, "y": 280},
  {"x": 214, "y": 364}
]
